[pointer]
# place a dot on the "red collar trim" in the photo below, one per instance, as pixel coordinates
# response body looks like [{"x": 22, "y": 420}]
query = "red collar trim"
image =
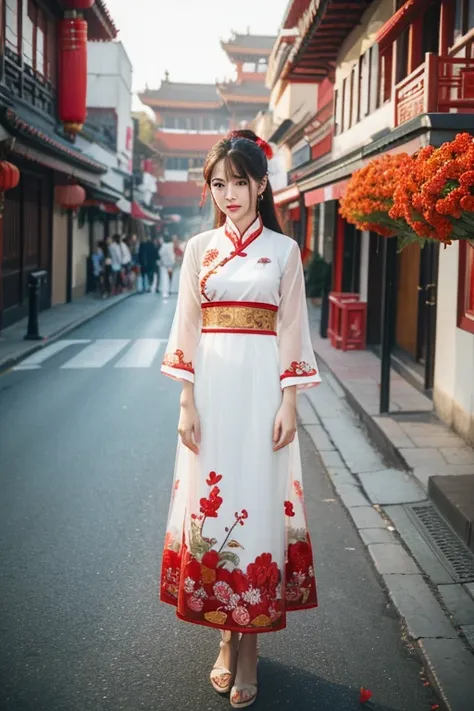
[{"x": 241, "y": 241}]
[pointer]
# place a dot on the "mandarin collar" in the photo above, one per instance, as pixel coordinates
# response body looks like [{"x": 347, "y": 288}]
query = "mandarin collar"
[{"x": 233, "y": 233}]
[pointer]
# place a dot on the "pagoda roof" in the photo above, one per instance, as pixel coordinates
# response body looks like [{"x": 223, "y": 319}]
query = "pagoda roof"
[
  {"x": 324, "y": 25},
  {"x": 181, "y": 94},
  {"x": 186, "y": 142},
  {"x": 174, "y": 193},
  {"x": 250, "y": 92},
  {"x": 249, "y": 44},
  {"x": 293, "y": 12}
]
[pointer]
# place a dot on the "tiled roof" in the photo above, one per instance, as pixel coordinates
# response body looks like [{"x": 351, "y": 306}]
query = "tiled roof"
[
  {"x": 100, "y": 25},
  {"x": 186, "y": 142},
  {"x": 250, "y": 88},
  {"x": 186, "y": 93},
  {"x": 264, "y": 42},
  {"x": 32, "y": 127}
]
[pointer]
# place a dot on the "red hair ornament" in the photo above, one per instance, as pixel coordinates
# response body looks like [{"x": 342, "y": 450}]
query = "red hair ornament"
[{"x": 266, "y": 147}]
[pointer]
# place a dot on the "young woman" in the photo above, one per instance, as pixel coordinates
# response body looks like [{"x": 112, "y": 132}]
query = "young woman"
[{"x": 237, "y": 551}]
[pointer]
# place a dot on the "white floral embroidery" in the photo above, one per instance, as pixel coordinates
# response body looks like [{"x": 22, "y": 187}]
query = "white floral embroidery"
[
  {"x": 252, "y": 596},
  {"x": 299, "y": 578},
  {"x": 278, "y": 592},
  {"x": 189, "y": 585},
  {"x": 200, "y": 593},
  {"x": 233, "y": 602},
  {"x": 311, "y": 571}
]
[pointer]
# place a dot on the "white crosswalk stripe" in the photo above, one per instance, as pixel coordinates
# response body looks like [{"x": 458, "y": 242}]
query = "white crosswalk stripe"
[
  {"x": 141, "y": 353},
  {"x": 35, "y": 361},
  {"x": 97, "y": 354}
]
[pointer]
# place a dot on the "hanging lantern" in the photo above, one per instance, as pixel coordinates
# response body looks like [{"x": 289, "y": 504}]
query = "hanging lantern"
[
  {"x": 79, "y": 5},
  {"x": 70, "y": 197},
  {"x": 72, "y": 73},
  {"x": 9, "y": 176}
]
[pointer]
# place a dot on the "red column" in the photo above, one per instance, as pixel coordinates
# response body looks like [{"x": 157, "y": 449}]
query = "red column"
[{"x": 446, "y": 26}]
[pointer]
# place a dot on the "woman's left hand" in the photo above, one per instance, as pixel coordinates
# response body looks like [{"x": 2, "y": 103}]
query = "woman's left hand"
[{"x": 284, "y": 430}]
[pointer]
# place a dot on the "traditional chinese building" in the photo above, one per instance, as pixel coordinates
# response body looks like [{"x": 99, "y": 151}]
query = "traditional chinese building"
[
  {"x": 192, "y": 117},
  {"x": 42, "y": 107},
  {"x": 245, "y": 96},
  {"x": 403, "y": 77}
]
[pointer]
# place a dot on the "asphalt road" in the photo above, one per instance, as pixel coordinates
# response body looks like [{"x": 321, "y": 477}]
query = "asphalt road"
[{"x": 86, "y": 461}]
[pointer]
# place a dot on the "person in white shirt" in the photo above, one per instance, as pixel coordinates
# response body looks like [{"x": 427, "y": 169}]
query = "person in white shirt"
[{"x": 167, "y": 264}]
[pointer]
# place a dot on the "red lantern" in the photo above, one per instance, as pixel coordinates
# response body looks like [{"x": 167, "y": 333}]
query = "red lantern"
[
  {"x": 9, "y": 176},
  {"x": 72, "y": 73},
  {"x": 69, "y": 197},
  {"x": 77, "y": 4}
]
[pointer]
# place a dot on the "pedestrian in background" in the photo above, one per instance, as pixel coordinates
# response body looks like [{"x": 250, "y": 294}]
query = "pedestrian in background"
[
  {"x": 147, "y": 256},
  {"x": 116, "y": 263},
  {"x": 156, "y": 283},
  {"x": 126, "y": 263},
  {"x": 237, "y": 554},
  {"x": 167, "y": 264},
  {"x": 108, "y": 278},
  {"x": 97, "y": 259}
]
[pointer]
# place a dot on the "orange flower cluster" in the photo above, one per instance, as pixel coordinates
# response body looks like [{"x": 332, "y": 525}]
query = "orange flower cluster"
[
  {"x": 369, "y": 195},
  {"x": 435, "y": 194},
  {"x": 427, "y": 196}
]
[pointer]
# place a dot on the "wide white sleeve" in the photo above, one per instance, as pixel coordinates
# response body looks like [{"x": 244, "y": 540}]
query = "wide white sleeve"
[
  {"x": 297, "y": 361},
  {"x": 178, "y": 361}
]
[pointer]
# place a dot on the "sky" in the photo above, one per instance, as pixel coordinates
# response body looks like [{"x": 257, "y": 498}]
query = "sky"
[{"x": 183, "y": 36}]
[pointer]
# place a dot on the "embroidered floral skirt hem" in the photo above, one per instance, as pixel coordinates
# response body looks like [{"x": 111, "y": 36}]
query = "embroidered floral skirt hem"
[{"x": 237, "y": 551}]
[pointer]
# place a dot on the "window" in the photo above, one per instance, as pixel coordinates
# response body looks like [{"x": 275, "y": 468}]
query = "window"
[
  {"x": 463, "y": 18},
  {"x": 177, "y": 164},
  {"x": 386, "y": 75},
  {"x": 34, "y": 39},
  {"x": 374, "y": 78},
  {"x": 466, "y": 286},
  {"x": 365, "y": 85},
  {"x": 338, "y": 111},
  {"x": 355, "y": 82},
  {"x": 344, "y": 106},
  {"x": 12, "y": 25}
]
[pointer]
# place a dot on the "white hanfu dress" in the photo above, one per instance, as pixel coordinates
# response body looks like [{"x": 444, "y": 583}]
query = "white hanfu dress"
[{"x": 237, "y": 551}]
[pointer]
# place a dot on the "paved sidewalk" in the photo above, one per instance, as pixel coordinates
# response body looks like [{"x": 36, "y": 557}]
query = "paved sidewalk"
[
  {"x": 435, "y": 608},
  {"x": 53, "y": 323}
]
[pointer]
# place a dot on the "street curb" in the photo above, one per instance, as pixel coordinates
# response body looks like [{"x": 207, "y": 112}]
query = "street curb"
[
  {"x": 376, "y": 433},
  {"x": 387, "y": 549},
  {"x": 12, "y": 361}
]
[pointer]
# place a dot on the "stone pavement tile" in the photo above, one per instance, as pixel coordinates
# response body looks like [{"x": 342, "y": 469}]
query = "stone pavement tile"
[
  {"x": 320, "y": 439},
  {"x": 438, "y": 441},
  {"x": 423, "y": 473},
  {"x": 422, "y": 457},
  {"x": 418, "y": 606},
  {"x": 391, "y": 486},
  {"x": 325, "y": 402},
  {"x": 470, "y": 589},
  {"x": 334, "y": 385},
  {"x": 458, "y": 455},
  {"x": 350, "y": 495},
  {"x": 332, "y": 460},
  {"x": 352, "y": 443},
  {"x": 366, "y": 517},
  {"x": 459, "y": 603},
  {"x": 394, "y": 432},
  {"x": 424, "y": 429},
  {"x": 305, "y": 411},
  {"x": 452, "y": 666},
  {"x": 468, "y": 631},
  {"x": 374, "y": 535},
  {"x": 391, "y": 558}
]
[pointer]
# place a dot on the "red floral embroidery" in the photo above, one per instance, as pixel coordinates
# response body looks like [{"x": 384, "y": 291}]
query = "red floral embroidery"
[
  {"x": 176, "y": 360},
  {"x": 297, "y": 370},
  {"x": 209, "y": 257},
  {"x": 264, "y": 260},
  {"x": 208, "y": 586},
  {"x": 298, "y": 490}
]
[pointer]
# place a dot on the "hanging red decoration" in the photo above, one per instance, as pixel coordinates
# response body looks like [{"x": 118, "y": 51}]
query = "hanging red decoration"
[
  {"x": 72, "y": 73},
  {"x": 77, "y": 4},
  {"x": 9, "y": 176},
  {"x": 69, "y": 197}
]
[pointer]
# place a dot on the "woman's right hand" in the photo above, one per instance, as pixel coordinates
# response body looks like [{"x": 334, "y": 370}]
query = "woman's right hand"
[{"x": 189, "y": 427}]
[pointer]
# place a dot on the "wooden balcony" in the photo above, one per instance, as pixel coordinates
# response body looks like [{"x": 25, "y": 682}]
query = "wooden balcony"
[
  {"x": 439, "y": 85},
  {"x": 28, "y": 85}
]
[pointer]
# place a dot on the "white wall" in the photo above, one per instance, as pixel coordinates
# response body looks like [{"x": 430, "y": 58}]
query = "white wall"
[
  {"x": 109, "y": 86},
  {"x": 454, "y": 369}
]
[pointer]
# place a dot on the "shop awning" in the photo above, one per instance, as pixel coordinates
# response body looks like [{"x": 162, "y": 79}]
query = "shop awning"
[
  {"x": 141, "y": 213},
  {"x": 328, "y": 192},
  {"x": 292, "y": 192}
]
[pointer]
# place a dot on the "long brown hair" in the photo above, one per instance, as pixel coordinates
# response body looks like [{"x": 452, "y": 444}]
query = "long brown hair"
[{"x": 243, "y": 158}]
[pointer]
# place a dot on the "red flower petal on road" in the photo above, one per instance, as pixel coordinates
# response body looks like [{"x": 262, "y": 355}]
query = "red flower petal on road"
[{"x": 365, "y": 695}]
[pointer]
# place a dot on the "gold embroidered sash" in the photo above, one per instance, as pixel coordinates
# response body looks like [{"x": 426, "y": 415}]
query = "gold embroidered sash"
[{"x": 239, "y": 317}]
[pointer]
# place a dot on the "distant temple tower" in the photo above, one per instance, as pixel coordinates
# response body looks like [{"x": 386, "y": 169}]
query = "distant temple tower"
[
  {"x": 247, "y": 95},
  {"x": 191, "y": 118}
]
